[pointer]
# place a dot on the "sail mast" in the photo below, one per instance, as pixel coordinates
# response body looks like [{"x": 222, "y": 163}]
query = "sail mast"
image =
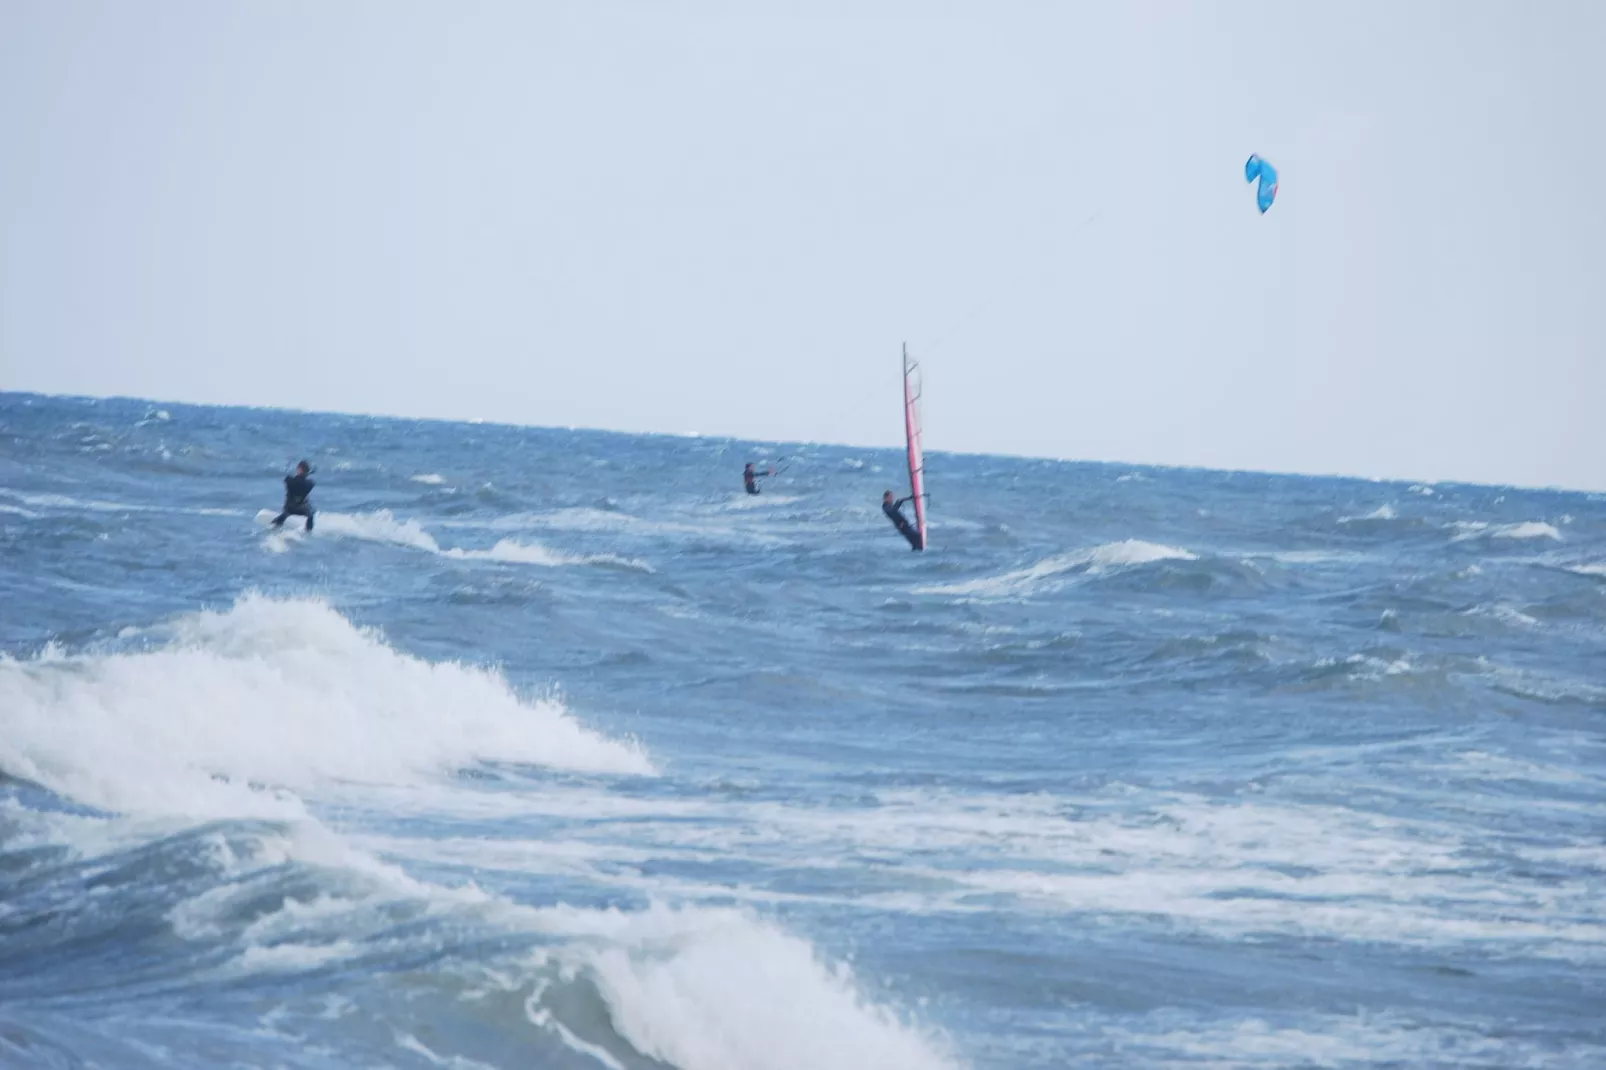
[{"x": 916, "y": 451}]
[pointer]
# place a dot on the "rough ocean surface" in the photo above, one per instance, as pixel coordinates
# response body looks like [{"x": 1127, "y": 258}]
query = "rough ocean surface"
[{"x": 553, "y": 748}]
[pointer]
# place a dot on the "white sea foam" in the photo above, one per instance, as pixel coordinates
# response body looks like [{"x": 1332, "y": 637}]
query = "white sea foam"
[
  {"x": 1042, "y": 575},
  {"x": 94, "y": 505},
  {"x": 378, "y": 526},
  {"x": 1478, "y": 529},
  {"x": 615, "y": 522},
  {"x": 1503, "y": 612},
  {"x": 513, "y": 551},
  {"x": 700, "y": 988},
  {"x": 1327, "y": 1040},
  {"x": 242, "y": 708},
  {"x": 1225, "y": 867},
  {"x": 584, "y": 519},
  {"x": 292, "y": 957},
  {"x": 86, "y": 505},
  {"x": 382, "y": 526},
  {"x": 408, "y": 1042},
  {"x": 277, "y": 542},
  {"x": 719, "y": 989},
  {"x": 742, "y": 501},
  {"x": 1382, "y": 512},
  {"x": 431, "y": 479},
  {"x": 1309, "y": 557},
  {"x": 1532, "y": 529}
]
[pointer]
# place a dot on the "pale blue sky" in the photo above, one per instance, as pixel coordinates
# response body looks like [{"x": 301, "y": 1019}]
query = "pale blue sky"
[{"x": 726, "y": 218}]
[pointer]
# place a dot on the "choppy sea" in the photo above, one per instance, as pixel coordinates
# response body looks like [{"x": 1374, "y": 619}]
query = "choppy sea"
[{"x": 555, "y": 749}]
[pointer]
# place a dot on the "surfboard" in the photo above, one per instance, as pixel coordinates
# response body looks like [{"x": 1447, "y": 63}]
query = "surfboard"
[{"x": 911, "y": 426}]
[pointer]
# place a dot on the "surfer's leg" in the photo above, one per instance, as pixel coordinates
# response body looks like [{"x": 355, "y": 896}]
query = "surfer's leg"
[
  {"x": 278, "y": 521},
  {"x": 309, "y": 520}
]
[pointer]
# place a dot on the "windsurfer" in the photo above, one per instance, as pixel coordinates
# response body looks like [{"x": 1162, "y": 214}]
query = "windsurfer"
[{"x": 894, "y": 511}]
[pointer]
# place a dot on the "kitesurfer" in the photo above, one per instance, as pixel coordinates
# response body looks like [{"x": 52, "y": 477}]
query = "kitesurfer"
[
  {"x": 894, "y": 511},
  {"x": 750, "y": 478},
  {"x": 296, "y": 489}
]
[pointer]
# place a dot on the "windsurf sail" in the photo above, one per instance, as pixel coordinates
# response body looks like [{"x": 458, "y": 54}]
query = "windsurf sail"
[{"x": 911, "y": 427}]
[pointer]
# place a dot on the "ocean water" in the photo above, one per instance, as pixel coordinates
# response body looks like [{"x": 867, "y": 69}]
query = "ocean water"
[{"x": 554, "y": 749}]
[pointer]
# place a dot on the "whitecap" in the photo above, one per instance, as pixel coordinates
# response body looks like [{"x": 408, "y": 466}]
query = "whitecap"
[
  {"x": 1529, "y": 529},
  {"x": 513, "y": 551},
  {"x": 1110, "y": 556},
  {"x": 284, "y": 694},
  {"x": 1382, "y": 512}
]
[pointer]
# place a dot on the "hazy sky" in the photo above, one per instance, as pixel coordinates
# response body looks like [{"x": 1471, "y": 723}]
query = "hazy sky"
[{"x": 727, "y": 217}]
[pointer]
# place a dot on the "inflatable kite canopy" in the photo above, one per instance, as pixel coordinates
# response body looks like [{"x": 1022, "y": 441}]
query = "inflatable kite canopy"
[{"x": 1258, "y": 168}]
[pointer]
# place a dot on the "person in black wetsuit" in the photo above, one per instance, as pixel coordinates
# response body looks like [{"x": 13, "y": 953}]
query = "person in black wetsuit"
[
  {"x": 894, "y": 511},
  {"x": 296, "y": 489},
  {"x": 750, "y": 478}
]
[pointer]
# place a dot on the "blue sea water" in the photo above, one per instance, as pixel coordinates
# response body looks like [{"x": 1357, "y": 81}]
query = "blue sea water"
[{"x": 553, "y": 748}]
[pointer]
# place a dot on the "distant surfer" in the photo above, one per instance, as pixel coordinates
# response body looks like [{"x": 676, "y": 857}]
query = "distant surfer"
[
  {"x": 750, "y": 478},
  {"x": 894, "y": 511},
  {"x": 296, "y": 490}
]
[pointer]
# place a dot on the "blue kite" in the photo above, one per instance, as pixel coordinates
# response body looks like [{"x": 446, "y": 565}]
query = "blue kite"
[{"x": 1258, "y": 168}]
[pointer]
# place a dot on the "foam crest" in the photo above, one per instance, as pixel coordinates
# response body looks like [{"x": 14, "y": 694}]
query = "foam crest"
[
  {"x": 243, "y": 709},
  {"x": 1227, "y": 867},
  {"x": 379, "y": 526},
  {"x": 1503, "y": 612},
  {"x": 620, "y": 523},
  {"x": 1336, "y": 1040},
  {"x": 718, "y": 989},
  {"x": 698, "y": 988},
  {"x": 1529, "y": 529},
  {"x": 1532, "y": 529},
  {"x": 1127, "y": 553},
  {"x": 760, "y": 501},
  {"x": 383, "y": 527},
  {"x": 1382, "y": 512},
  {"x": 513, "y": 551},
  {"x": 429, "y": 479}
]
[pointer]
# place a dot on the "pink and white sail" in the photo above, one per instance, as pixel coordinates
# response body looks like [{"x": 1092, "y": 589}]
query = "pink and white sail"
[{"x": 911, "y": 427}]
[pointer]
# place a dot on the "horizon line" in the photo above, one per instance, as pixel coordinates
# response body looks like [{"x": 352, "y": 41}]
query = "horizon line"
[{"x": 1405, "y": 481}]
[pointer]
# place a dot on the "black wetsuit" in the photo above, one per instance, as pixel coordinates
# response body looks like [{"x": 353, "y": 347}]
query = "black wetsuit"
[
  {"x": 894, "y": 513},
  {"x": 750, "y": 481},
  {"x": 296, "y": 489}
]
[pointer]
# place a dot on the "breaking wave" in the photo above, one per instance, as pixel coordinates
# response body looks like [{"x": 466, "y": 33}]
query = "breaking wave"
[
  {"x": 382, "y": 526},
  {"x": 1109, "y": 557},
  {"x": 240, "y": 710},
  {"x": 1530, "y": 529}
]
